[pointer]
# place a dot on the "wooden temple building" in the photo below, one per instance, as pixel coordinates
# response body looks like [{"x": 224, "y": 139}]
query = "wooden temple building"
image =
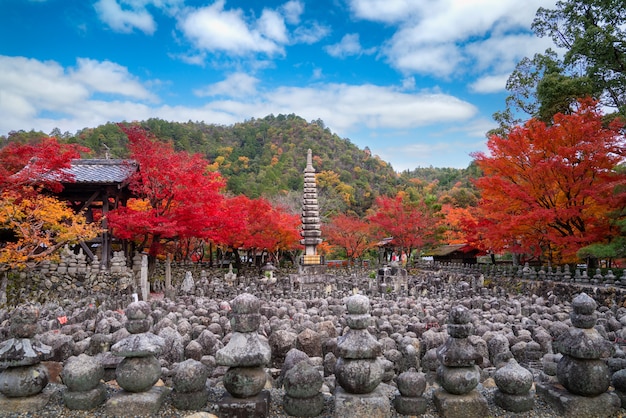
[{"x": 98, "y": 185}]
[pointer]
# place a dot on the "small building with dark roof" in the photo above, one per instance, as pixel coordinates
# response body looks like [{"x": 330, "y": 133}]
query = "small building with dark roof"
[
  {"x": 98, "y": 184},
  {"x": 456, "y": 253}
]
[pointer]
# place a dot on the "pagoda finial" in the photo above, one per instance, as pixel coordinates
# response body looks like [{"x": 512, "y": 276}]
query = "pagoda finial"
[{"x": 309, "y": 162}]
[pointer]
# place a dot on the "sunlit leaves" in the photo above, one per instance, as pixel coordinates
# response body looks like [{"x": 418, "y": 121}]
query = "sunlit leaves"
[
  {"x": 350, "y": 233},
  {"x": 41, "y": 225},
  {"x": 546, "y": 188},
  {"x": 180, "y": 195}
]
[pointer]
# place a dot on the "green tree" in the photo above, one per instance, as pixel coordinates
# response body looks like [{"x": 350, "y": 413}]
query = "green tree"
[{"x": 594, "y": 64}]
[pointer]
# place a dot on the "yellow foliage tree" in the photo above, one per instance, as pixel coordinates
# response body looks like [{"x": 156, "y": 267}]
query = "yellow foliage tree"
[{"x": 38, "y": 226}]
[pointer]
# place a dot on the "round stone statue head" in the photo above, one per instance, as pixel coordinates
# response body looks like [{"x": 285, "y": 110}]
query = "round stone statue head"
[
  {"x": 24, "y": 321},
  {"x": 358, "y": 305},
  {"x": 583, "y": 313}
]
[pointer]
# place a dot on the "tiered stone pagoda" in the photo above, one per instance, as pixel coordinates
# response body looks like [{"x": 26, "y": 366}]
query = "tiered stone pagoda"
[
  {"x": 311, "y": 229},
  {"x": 458, "y": 372},
  {"x": 23, "y": 377},
  {"x": 140, "y": 369},
  {"x": 311, "y": 269},
  {"x": 246, "y": 356},
  {"x": 583, "y": 375},
  {"x": 359, "y": 370}
]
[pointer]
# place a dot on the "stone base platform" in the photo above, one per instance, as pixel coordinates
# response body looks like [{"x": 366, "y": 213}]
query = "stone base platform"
[
  {"x": 257, "y": 406},
  {"x": 569, "y": 405},
  {"x": 410, "y": 406},
  {"x": 128, "y": 404},
  {"x": 471, "y": 405},
  {"x": 374, "y": 405},
  {"x": 514, "y": 403},
  {"x": 29, "y": 403}
]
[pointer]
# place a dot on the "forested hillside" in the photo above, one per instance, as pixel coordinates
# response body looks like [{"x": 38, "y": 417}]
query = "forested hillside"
[{"x": 266, "y": 157}]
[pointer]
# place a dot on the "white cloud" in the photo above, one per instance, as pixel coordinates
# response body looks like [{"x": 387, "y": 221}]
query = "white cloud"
[
  {"x": 214, "y": 29},
  {"x": 349, "y": 45},
  {"x": 310, "y": 33},
  {"x": 387, "y": 11},
  {"x": 237, "y": 85},
  {"x": 272, "y": 26},
  {"x": 345, "y": 107},
  {"x": 108, "y": 77},
  {"x": 125, "y": 20},
  {"x": 292, "y": 10},
  {"x": 490, "y": 84},
  {"x": 31, "y": 90},
  {"x": 451, "y": 37}
]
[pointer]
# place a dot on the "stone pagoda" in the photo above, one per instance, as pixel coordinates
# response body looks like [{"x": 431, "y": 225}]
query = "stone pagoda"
[
  {"x": 311, "y": 230},
  {"x": 311, "y": 269}
]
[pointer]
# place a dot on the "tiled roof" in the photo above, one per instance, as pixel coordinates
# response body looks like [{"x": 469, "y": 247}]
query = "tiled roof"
[
  {"x": 102, "y": 171},
  {"x": 448, "y": 249}
]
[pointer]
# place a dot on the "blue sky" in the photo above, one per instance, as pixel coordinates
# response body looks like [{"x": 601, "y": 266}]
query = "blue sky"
[{"x": 416, "y": 81}]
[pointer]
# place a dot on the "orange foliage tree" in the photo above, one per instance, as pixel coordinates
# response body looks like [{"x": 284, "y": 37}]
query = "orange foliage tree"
[
  {"x": 411, "y": 224},
  {"x": 547, "y": 190},
  {"x": 38, "y": 226},
  {"x": 33, "y": 226},
  {"x": 350, "y": 233},
  {"x": 257, "y": 226}
]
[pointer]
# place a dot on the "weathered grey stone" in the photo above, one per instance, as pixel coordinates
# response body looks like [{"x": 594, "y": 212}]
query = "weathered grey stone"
[
  {"x": 359, "y": 376},
  {"x": 568, "y": 404},
  {"x": 244, "y": 382},
  {"x": 245, "y": 304},
  {"x": 248, "y": 322},
  {"x": 583, "y": 377},
  {"x": 82, "y": 373},
  {"x": 27, "y": 404},
  {"x": 302, "y": 381},
  {"x": 513, "y": 379},
  {"x": 139, "y": 345},
  {"x": 458, "y": 352},
  {"x": 310, "y": 342},
  {"x": 410, "y": 406},
  {"x": 138, "y": 374},
  {"x": 374, "y": 404},
  {"x": 470, "y": 405},
  {"x": 127, "y": 404},
  {"x": 138, "y": 310},
  {"x": 304, "y": 407},
  {"x": 190, "y": 376},
  {"x": 358, "y": 305},
  {"x": 280, "y": 342},
  {"x": 193, "y": 350},
  {"x": 256, "y": 406},
  {"x": 514, "y": 403},
  {"x": 23, "y": 380},
  {"x": 584, "y": 344},
  {"x": 244, "y": 349},
  {"x": 358, "y": 344},
  {"x": 411, "y": 383},
  {"x": 85, "y": 400},
  {"x": 458, "y": 380},
  {"x": 190, "y": 401}
]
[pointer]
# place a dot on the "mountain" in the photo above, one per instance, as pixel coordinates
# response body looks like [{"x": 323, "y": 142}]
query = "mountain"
[{"x": 266, "y": 157}]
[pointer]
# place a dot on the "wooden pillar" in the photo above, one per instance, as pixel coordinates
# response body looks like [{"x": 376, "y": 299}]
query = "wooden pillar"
[{"x": 106, "y": 237}]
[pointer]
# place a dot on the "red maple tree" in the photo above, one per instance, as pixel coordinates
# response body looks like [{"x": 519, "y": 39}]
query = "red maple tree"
[
  {"x": 179, "y": 196},
  {"x": 39, "y": 164},
  {"x": 548, "y": 189},
  {"x": 411, "y": 224},
  {"x": 350, "y": 233},
  {"x": 259, "y": 227}
]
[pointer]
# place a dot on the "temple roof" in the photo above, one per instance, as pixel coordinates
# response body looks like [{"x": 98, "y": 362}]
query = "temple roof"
[{"x": 102, "y": 170}]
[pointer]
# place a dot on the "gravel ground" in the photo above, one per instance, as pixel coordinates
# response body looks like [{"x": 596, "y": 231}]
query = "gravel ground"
[{"x": 56, "y": 409}]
